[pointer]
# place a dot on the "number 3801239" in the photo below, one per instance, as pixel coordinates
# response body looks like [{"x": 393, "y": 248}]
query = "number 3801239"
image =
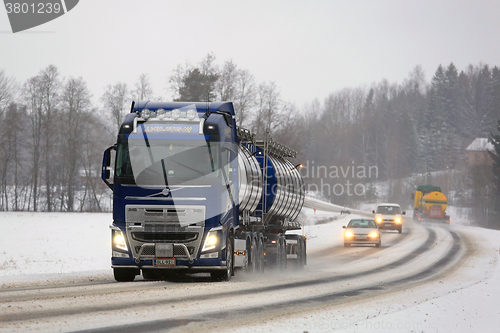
[{"x": 34, "y": 8}]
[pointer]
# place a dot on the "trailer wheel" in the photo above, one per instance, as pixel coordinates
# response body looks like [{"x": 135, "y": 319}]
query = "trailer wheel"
[
  {"x": 278, "y": 255},
  {"x": 260, "y": 256},
  {"x": 124, "y": 274},
  {"x": 300, "y": 254},
  {"x": 304, "y": 252},
  {"x": 284, "y": 253},
  {"x": 226, "y": 274},
  {"x": 253, "y": 251}
]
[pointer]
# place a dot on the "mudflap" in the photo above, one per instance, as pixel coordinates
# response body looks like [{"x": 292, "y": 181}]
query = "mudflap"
[{"x": 240, "y": 254}]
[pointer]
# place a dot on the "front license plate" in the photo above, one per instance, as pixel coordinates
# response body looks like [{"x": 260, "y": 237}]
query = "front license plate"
[
  {"x": 388, "y": 225},
  {"x": 164, "y": 262}
]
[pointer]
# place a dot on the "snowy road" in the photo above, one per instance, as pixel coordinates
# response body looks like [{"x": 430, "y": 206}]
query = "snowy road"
[{"x": 338, "y": 290}]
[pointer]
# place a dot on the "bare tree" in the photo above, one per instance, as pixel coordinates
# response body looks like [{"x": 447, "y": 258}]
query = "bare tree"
[
  {"x": 244, "y": 96},
  {"x": 176, "y": 79},
  {"x": 268, "y": 103},
  {"x": 143, "y": 89},
  {"x": 76, "y": 105},
  {"x": 115, "y": 100},
  {"x": 50, "y": 88},
  {"x": 33, "y": 99},
  {"x": 226, "y": 84},
  {"x": 8, "y": 90}
]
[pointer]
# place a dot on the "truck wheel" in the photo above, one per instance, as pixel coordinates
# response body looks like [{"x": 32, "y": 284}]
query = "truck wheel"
[
  {"x": 400, "y": 230},
  {"x": 226, "y": 274},
  {"x": 300, "y": 254},
  {"x": 284, "y": 253},
  {"x": 124, "y": 274},
  {"x": 304, "y": 251},
  {"x": 278, "y": 254},
  {"x": 253, "y": 255},
  {"x": 260, "y": 255}
]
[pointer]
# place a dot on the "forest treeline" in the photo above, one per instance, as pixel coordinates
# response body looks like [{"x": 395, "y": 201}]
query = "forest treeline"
[{"x": 53, "y": 136}]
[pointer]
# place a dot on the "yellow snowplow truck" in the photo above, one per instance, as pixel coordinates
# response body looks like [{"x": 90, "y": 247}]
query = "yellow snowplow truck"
[{"x": 430, "y": 204}]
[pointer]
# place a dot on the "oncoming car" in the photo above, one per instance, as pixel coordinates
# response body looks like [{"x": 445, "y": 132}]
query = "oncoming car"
[
  {"x": 389, "y": 216},
  {"x": 362, "y": 231}
]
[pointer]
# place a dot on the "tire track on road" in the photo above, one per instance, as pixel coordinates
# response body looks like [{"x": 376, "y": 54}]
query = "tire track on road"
[
  {"x": 269, "y": 309},
  {"x": 39, "y": 314}
]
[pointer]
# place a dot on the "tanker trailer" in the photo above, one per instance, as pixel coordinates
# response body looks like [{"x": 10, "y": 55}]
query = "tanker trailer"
[
  {"x": 430, "y": 204},
  {"x": 193, "y": 193}
]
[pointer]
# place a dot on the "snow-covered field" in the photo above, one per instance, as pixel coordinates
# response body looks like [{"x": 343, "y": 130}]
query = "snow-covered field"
[{"x": 45, "y": 247}]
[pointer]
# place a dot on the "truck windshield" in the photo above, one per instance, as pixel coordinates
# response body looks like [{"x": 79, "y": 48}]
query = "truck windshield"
[{"x": 173, "y": 162}]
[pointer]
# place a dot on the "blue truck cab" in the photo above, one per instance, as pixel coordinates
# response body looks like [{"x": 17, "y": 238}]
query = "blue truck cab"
[{"x": 174, "y": 204}]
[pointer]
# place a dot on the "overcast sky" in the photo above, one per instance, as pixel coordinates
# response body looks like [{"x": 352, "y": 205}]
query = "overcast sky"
[{"x": 309, "y": 48}]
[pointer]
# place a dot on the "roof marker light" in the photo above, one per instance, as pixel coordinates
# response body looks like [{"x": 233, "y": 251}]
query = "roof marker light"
[
  {"x": 160, "y": 113},
  {"x": 176, "y": 114},
  {"x": 145, "y": 114},
  {"x": 191, "y": 114}
]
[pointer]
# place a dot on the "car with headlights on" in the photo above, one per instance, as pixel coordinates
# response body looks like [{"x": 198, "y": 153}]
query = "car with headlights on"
[
  {"x": 389, "y": 216},
  {"x": 362, "y": 231}
]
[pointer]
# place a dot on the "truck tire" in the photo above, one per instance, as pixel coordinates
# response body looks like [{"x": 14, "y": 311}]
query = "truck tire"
[
  {"x": 400, "y": 230},
  {"x": 226, "y": 274},
  {"x": 124, "y": 274},
  {"x": 279, "y": 255},
  {"x": 304, "y": 250},
  {"x": 253, "y": 255},
  {"x": 260, "y": 255},
  {"x": 284, "y": 253},
  {"x": 300, "y": 254}
]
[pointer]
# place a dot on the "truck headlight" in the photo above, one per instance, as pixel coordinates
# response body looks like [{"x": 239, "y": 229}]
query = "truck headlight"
[
  {"x": 397, "y": 220},
  {"x": 119, "y": 240},
  {"x": 378, "y": 219},
  {"x": 211, "y": 241},
  {"x": 374, "y": 234}
]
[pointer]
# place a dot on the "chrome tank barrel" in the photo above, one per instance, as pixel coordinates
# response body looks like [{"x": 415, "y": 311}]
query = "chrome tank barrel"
[
  {"x": 283, "y": 196},
  {"x": 285, "y": 190},
  {"x": 250, "y": 180}
]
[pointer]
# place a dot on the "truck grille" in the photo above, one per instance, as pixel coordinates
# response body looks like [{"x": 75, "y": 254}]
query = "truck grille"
[
  {"x": 151, "y": 225},
  {"x": 149, "y": 250}
]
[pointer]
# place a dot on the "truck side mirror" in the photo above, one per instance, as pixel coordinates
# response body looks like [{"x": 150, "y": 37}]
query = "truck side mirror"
[
  {"x": 343, "y": 227},
  {"x": 106, "y": 166},
  {"x": 373, "y": 211},
  {"x": 404, "y": 213}
]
